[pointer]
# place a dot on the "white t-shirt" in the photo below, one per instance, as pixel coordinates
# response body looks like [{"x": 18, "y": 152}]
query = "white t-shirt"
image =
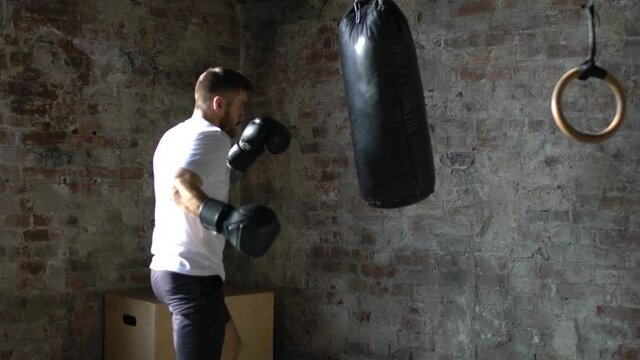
[{"x": 180, "y": 243}]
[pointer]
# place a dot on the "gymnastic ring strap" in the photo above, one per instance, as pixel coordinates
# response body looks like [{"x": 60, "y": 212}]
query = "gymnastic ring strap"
[
  {"x": 567, "y": 129},
  {"x": 590, "y": 69}
]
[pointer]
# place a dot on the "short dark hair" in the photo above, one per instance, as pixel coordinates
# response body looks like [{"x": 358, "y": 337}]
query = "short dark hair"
[{"x": 216, "y": 81}]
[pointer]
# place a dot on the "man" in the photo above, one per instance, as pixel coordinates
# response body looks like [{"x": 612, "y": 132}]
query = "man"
[{"x": 192, "y": 219}]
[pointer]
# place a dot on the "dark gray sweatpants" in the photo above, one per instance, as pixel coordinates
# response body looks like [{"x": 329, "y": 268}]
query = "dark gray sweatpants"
[{"x": 199, "y": 314}]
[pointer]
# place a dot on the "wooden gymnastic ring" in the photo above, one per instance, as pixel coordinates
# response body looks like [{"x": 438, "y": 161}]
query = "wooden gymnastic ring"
[{"x": 556, "y": 109}]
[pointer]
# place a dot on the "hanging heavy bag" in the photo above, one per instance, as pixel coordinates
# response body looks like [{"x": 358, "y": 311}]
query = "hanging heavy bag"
[{"x": 390, "y": 136}]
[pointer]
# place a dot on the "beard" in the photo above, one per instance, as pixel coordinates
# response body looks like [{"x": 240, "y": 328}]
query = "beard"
[{"x": 228, "y": 125}]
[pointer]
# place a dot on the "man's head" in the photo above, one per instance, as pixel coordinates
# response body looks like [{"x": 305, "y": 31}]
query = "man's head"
[{"x": 221, "y": 95}]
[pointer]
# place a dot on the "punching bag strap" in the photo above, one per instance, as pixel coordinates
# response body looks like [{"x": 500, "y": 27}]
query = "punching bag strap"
[{"x": 357, "y": 6}]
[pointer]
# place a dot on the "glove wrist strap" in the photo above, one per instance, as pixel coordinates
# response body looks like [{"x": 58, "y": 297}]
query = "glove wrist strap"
[{"x": 213, "y": 213}]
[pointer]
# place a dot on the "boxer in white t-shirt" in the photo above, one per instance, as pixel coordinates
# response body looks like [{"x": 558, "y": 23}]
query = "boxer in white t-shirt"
[{"x": 191, "y": 167}]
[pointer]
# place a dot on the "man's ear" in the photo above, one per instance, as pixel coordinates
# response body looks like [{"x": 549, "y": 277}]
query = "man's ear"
[{"x": 217, "y": 103}]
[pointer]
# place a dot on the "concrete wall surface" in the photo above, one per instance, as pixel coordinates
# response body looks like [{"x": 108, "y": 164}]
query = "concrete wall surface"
[{"x": 529, "y": 247}]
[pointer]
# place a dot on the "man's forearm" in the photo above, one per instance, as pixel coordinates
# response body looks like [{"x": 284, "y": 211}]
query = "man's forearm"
[{"x": 187, "y": 193}]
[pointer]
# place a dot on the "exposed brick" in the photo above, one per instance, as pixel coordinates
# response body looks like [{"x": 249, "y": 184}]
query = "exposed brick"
[
  {"x": 472, "y": 74},
  {"x": 632, "y": 29},
  {"x": 306, "y": 148},
  {"x": 620, "y": 313},
  {"x": 479, "y": 56},
  {"x": 406, "y": 258},
  {"x": 3, "y": 60},
  {"x": 563, "y": 51},
  {"x": 130, "y": 173},
  {"x": 571, "y": 291},
  {"x": 29, "y": 95},
  {"x": 327, "y": 175},
  {"x": 600, "y": 219},
  {"x": 41, "y": 138},
  {"x": 625, "y": 352},
  {"x": 320, "y": 132},
  {"x": 71, "y": 221},
  {"x": 332, "y": 56},
  {"x": 79, "y": 281},
  {"x": 625, "y": 239},
  {"x": 36, "y": 235},
  {"x": 81, "y": 188},
  {"x": 378, "y": 271},
  {"x": 472, "y": 8},
  {"x": 18, "y": 58},
  {"x": 80, "y": 328},
  {"x": 41, "y": 220},
  {"x": 495, "y": 39},
  {"x": 33, "y": 267},
  {"x": 57, "y": 16},
  {"x": 361, "y": 316},
  {"x": 17, "y": 121},
  {"x": 463, "y": 42},
  {"x": 93, "y": 141},
  {"x": 318, "y": 252},
  {"x": 547, "y": 216},
  {"x": 401, "y": 290},
  {"x": 43, "y": 173},
  {"x": 159, "y": 12},
  {"x": 460, "y": 159},
  {"x": 499, "y": 73},
  {"x": 124, "y": 173},
  {"x": 20, "y": 221}
]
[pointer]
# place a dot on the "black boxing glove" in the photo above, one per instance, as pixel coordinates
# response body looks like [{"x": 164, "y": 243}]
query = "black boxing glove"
[
  {"x": 260, "y": 134},
  {"x": 251, "y": 229}
]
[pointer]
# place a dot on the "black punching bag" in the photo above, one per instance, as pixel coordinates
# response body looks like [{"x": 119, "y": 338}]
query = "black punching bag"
[{"x": 391, "y": 144}]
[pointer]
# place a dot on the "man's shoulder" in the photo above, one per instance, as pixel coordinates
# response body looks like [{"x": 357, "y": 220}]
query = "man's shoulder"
[
  {"x": 200, "y": 125},
  {"x": 213, "y": 136}
]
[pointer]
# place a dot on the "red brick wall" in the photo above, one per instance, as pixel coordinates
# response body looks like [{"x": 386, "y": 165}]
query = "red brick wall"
[
  {"x": 86, "y": 89},
  {"x": 528, "y": 248}
]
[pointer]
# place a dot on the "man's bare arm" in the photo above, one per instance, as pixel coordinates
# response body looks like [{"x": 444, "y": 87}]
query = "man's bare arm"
[{"x": 187, "y": 191}]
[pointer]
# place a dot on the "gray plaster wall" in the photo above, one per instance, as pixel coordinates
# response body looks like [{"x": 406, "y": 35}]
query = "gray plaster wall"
[{"x": 529, "y": 247}]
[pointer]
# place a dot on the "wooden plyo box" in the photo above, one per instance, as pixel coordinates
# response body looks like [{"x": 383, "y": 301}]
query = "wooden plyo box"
[{"x": 138, "y": 326}]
